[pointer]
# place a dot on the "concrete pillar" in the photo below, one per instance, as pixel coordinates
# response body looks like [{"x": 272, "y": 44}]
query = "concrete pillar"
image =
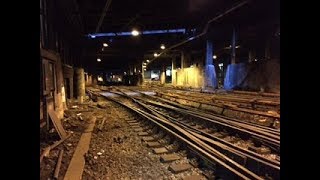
[
  {"x": 252, "y": 55},
  {"x": 209, "y": 53},
  {"x": 94, "y": 80},
  {"x": 267, "y": 54},
  {"x": 79, "y": 72},
  {"x": 173, "y": 71},
  {"x": 71, "y": 88},
  {"x": 233, "y": 47},
  {"x": 163, "y": 74},
  {"x": 89, "y": 80},
  {"x": 185, "y": 59},
  {"x": 182, "y": 59},
  {"x": 142, "y": 73},
  {"x": 210, "y": 72}
]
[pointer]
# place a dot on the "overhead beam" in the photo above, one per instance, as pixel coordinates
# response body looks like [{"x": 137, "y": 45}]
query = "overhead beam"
[{"x": 147, "y": 32}]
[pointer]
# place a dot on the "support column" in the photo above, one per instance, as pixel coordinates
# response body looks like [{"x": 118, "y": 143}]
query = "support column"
[
  {"x": 183, "y": 59},
  {"x": 94, "y": 80},
  {"x": 80, "y": 84},
  {"x": 251, "y": 56},
  {"x": 173, "y": 71},
  {"x": 235, "y": 72},
  {"x": 142, "y": 73},
  {"x": 71, "y": 87},
  {"x": 163, "y": 74},
  {"x": 267, "y": 54},
  {"x": 210, "y": 72},
  {"x": 233, "y": 47}
]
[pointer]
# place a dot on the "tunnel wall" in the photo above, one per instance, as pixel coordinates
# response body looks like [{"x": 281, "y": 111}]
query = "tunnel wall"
[
  {"x": 255, "y": 76},
  {"x": 53, "y": 95}
]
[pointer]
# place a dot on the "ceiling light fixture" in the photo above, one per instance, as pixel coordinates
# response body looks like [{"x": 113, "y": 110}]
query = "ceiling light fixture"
[
  {"x": 135, "y": 33},
  {"x": 214, "y": 57},
  {"x": 162, "y": 46},
  {"x": 99, "y": 60},
  {"x": 148, "y": 60},
  {"x": 105, "y": 45},
  {"x": 155, "y": 55}
]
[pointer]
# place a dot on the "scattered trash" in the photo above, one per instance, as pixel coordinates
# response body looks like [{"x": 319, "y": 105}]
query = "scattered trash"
[
  {"x": 80, "y": 118},
  {"x": 69, "y": 144},
  {"x": 262, "y": 120},
  {"x": 74, "y": 107},
  {"x": 273, "y": 113},
  {"x": 95, "y": 157},
  {"x": 99, "y": 153},
  {"x": 102, "y": 150},
  {"x": 78, "y": 114},
  {"x": 65, "y": 115}
]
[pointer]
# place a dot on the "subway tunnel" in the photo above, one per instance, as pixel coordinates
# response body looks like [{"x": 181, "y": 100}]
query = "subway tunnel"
[{"x": 184, "y": 89}]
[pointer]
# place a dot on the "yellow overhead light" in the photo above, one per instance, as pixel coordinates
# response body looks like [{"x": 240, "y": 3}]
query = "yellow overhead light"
[
  {"x": 162, "y": 46},
  {"x": 147, "y": 60},
  {"x": 155, "y": 55},
  {"x": 135, "y": 33}
]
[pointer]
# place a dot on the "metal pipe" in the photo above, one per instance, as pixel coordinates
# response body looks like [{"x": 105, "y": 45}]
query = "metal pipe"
[
  {"x": 105, "y": 9},
  {"x": 205, "y": 30}
]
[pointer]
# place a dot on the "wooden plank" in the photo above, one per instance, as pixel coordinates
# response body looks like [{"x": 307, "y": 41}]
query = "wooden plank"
[
  {"x": 77, "y": 162},
  {"x": 193, "y": 177},
  {"x": 154, "y": 144},
  {"x": 57, "y": 124},
  {"x": 148, "y": 138},
  {"x": 143, "y": 134},
  {"x": 160, "y": 150},
  {"x": 169, "y": 158},
  {"x": 177, "y": 168}
]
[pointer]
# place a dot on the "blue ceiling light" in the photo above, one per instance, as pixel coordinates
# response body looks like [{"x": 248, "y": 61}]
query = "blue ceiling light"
[{"x": 169, "y": 31}]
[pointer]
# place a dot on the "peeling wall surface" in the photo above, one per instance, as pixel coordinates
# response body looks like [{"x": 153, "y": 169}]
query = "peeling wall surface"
[
  {"x": 190, "y": 77},
  {"x": 56, "y": 96}
]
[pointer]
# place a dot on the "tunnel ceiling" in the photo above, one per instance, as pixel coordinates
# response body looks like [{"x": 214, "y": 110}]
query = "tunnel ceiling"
[{"x": 252, "y": 20}]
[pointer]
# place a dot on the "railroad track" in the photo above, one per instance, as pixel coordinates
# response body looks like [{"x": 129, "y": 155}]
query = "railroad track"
[
  {"x": 225, "y": 111},
  {"x": 248, "y": 160}
]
